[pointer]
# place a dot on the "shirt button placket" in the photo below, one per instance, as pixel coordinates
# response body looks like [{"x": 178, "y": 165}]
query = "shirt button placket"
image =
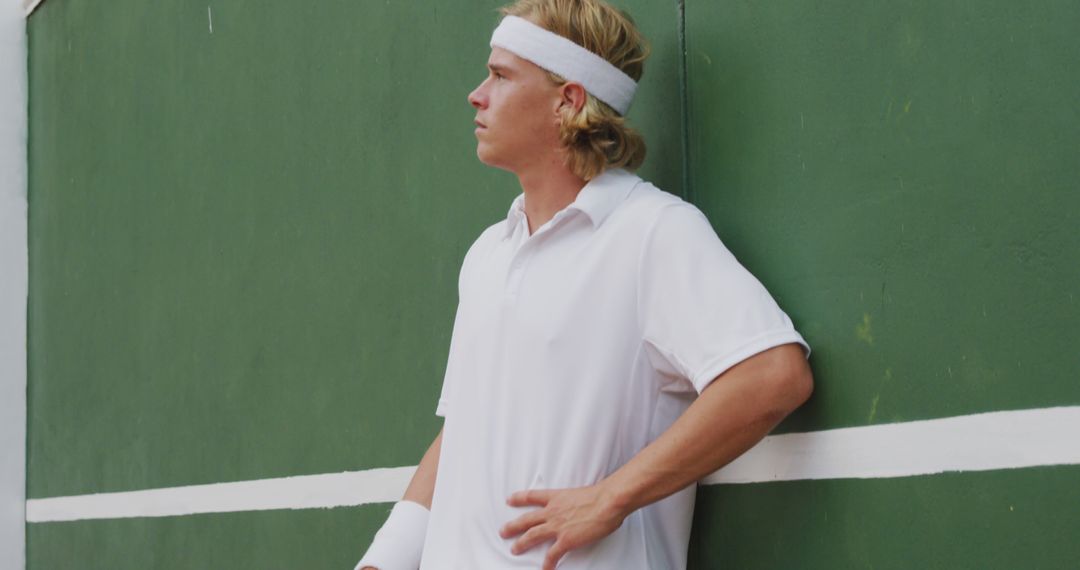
[
  {"x": 519, "y": 259},
  {"x": 514, "y": 275}
]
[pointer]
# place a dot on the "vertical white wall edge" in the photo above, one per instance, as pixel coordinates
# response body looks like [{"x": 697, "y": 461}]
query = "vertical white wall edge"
[{"x": 13, "y": 282}]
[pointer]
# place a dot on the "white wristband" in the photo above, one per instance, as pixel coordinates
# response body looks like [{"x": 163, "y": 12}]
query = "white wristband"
[{"x": 400, "y": 542}]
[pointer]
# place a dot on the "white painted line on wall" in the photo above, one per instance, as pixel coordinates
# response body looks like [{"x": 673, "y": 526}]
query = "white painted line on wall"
[
  {"x": 979, "y": 442},
  {"x": 345, "y": 489}
]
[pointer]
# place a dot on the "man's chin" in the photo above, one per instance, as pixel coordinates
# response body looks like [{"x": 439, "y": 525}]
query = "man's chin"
[
  {"x": 485, "y": 157},
  {"x": 490, "y": 159}
]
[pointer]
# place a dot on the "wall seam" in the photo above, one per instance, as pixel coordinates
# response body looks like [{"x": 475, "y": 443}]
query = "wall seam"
[{"x": 684, "y": 119}]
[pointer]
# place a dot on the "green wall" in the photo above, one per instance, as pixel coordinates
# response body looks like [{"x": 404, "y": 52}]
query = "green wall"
[
  {"x": 903, "y": 176},
  {"x": 244, "y": 246},
  {"x": 246, "y": 243}
]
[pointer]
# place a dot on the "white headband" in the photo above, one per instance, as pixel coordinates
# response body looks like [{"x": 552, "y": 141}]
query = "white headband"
[{"x": 564, "y": 57}]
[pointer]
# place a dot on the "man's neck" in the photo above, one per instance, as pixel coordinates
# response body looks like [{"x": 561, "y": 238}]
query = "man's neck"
[{"x": 547, "y": 191}]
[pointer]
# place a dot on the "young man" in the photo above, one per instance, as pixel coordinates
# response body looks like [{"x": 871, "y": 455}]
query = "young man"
[{"x": 608, "y": 351}]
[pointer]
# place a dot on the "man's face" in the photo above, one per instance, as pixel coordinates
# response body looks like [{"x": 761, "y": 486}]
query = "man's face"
[{"x": 517, "y": 123}]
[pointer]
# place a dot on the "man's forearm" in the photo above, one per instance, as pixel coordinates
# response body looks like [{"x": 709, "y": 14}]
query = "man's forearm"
[
  {"x": 400, "y": 541},
  {"x": 421, "y": 488},
  {"x": 737, "y": 410}
]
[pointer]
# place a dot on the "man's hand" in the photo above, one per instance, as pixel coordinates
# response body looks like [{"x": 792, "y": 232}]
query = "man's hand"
[
  {"x": 573, "y": 518},
  {"x": 734, "y": 412}
]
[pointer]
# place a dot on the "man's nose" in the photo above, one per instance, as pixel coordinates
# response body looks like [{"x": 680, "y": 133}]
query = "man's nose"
[{"x": 476, "y": 98}]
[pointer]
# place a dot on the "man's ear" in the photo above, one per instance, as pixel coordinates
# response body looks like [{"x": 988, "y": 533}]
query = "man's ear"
[{"x": 572, "y": 95}]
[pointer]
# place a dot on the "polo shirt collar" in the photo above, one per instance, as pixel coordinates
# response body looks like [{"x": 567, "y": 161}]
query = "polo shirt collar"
[{"x": 597, "y": 199}]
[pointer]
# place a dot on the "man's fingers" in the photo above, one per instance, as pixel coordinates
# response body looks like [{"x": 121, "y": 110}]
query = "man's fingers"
[
  {"x": 522, "y": 523},
  {"x": 536, "y": 497},
  {"x": 534, "y": 536},
  {"x": 555, "y": 553}
]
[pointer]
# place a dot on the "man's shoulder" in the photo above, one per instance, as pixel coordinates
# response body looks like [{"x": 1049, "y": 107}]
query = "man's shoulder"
[
  {"x": 645, "y": 204},
  {"x": 648, "y": 196}
]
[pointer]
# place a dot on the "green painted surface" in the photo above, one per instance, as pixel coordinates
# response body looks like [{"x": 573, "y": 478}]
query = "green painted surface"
[
  {"x": 245, "y": 243},
  {"x": 310, "y": 539},
  {"x": 989, "y": 520},
  {"x": 903, "y": 177}
]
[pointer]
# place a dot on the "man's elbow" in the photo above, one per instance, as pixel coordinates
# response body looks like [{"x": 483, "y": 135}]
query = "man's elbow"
[
  {"x": 794, "y": 381},
  {"x": 801, "y": 384}
]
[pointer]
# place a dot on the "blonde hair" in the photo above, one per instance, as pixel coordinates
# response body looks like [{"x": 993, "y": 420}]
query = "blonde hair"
[{"x": 596, "y": 137}]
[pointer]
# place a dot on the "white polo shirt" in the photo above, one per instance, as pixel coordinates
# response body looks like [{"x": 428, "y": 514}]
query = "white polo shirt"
[{"x": 575, "y": 347}]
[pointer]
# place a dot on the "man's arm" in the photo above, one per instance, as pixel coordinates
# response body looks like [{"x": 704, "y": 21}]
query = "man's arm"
[
  {"x": 422, "y": 486},
  {"x": 738, "y": 409}
]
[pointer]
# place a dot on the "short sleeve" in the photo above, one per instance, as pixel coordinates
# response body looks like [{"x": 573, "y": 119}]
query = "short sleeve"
[
  {"x": 700, "y": 311},
  {"x": 448, "y": 378},
  {"x": 446, "y": 393}
]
